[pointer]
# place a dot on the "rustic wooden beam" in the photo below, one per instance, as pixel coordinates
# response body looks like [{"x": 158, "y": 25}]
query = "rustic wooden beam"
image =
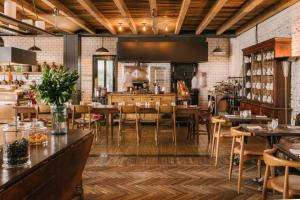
[
  {"x": 126, "y": 14},
  {"x": 153, "y": 12},
  {"x": 69, "y": 14},
  {"x": 283, "y": 4},
  {"x": 183, "y": 10},
  {"x": 246, "y": 8},
  {"x": 92, "y": 10},
  {"x": 29, "y": 9},
  {"x": 210, "y": 16}
]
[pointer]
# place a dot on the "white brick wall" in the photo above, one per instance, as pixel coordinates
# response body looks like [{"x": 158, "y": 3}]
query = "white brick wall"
[
  {"x": 284, "y": 24},
  {"x": 52, "y": 47},
  {"x": 89, "y": 45}
]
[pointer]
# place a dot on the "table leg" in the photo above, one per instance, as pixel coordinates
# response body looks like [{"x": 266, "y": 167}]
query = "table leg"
[
  {"x": 197, "y": 126},
  {"x": 111, "y": 127}
]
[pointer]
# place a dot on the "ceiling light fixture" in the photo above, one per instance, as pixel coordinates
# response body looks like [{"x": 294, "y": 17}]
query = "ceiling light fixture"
[
  {"x": 34, "y": 48},
  {"x": 120, "y": 27},
  {"x": 1, "y": 42},
  {"x": 102, "y": 49},
  {"x": 218, "y": 51},
  {"x": 166, "y": 29},
  {"x": 144, "y": 27},
  {"x": 55, "y": 12}
]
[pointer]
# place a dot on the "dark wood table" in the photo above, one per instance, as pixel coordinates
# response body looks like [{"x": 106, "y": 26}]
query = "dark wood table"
[
  {"x": 237, "y": 119},
  {"x": 55, "y": 171}
]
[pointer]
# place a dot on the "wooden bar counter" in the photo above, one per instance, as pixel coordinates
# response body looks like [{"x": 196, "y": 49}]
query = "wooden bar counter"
[
  {"x": 115, "y": 98},
  {"x": 55, "y": 171}
]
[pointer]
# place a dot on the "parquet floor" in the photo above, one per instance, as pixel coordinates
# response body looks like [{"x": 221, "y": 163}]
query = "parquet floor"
[{"x": 163, "y": 172}]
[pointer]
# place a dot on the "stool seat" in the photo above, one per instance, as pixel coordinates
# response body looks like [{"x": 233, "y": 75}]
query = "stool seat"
[{"x": 294, "y": 184}]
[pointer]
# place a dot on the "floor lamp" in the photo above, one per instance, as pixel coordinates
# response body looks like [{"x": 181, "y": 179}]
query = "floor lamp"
[{"x": 286, "y": 69}]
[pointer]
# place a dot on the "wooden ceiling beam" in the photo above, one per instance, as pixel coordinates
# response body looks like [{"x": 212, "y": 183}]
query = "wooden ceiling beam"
[
  {"x": 29, "y": 9},
  {"x": 183, "y": 10},
  {"x": 283, "y": 4},
  {"x": 153, "y": 13},
  {"x": 69, "y": 14},
  {"x": 93, "y": 11},
  {"x": 246, "y": 8},
  {"x": 210, "y": 16},
  {"x": 126, "y": 14}
]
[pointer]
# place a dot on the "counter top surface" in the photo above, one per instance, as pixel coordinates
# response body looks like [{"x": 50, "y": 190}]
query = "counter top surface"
[
  {"x": 39, "y": 155},
  {"x": 148, "y": 94}
]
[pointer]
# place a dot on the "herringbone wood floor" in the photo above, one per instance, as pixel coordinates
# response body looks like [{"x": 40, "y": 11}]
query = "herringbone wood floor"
[{"x": 163, "y": 172}]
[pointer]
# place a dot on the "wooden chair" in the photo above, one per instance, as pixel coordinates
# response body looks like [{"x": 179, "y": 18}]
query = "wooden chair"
[
  {"x": 128, "y": 115},
  {"x": 245, "y": 152},
  {"x": 85, "y": 119},
  {"x": 289, "y": 185},
  {"x": 163, "y": 120},
  {"x": 43, "y": 113},
  {"x": 217, "y": 122}
]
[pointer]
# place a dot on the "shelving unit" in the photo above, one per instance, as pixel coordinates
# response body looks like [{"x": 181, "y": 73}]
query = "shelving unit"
[
  {"x": 21, "y": 73},
  {"x": 264, "y": 81}
]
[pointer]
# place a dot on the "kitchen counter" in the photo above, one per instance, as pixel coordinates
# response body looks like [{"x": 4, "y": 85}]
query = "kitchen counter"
[
  {"x": 115, "y": 98},
  {"x": 55, "y": 171}
]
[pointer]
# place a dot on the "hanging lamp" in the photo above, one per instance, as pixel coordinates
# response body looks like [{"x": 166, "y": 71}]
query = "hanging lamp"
[
  {"x": 1, "y": 42},
  {"x": 218, "y": 51},
  {"x": 102, "y": 49},
  {"x": 34, "y": 47}
]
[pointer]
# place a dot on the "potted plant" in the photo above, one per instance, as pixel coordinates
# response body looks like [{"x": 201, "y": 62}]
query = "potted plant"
[{"x": 55, "y": 89}]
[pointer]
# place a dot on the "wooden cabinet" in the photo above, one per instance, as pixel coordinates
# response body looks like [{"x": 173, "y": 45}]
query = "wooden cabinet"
[
  {"x": 264, "y": 88},
  {"x": 127, "y": 98}
]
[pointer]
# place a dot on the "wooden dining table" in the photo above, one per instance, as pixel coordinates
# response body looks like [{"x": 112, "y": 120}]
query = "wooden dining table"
[
  {"x": 272, "y": 135},
  {"x": 110, "y": 110},
  {"x": 237, "y": 119}
]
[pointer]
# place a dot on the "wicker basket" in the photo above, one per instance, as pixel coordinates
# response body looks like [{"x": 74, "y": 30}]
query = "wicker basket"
[
  {"x": 26, "y": 68},
  {"x": 36, "y": 68}
]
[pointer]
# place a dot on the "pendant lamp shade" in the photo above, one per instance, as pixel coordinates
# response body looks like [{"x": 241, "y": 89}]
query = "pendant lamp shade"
[
  {"x": 102, "y": 49},
  {"x": 34, "y": 47},
  {"x": 1, "y": 42},
  {"x": 218, "y": 51}
]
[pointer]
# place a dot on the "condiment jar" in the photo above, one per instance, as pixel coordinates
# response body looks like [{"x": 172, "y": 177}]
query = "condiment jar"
[{"x": 15, "y": 146}]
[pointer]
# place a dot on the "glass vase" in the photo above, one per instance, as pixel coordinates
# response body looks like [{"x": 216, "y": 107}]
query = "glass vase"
[{"x": 59, "y": 120}]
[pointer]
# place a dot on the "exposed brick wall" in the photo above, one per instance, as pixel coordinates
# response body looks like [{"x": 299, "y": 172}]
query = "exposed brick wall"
[{"x": 284, "y": 24}]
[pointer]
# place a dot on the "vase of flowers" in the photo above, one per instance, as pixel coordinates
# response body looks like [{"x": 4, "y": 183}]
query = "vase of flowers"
[{"x": 55, "y": 89}]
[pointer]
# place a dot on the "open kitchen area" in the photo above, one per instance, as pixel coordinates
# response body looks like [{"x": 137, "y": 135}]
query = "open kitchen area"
[{"x": 150, "y": 99}]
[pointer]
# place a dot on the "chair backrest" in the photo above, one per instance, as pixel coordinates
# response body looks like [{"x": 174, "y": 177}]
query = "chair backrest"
[
  {"x": 274, "y": 161},
  {"x": 81, "y": 109},
  {"x": 217, "y": 119},
  {"x": 43, "y": 109},
  {"x": 164, "y": 109},
  {"x": 236, "y": 132},
  {"x": 127, "y": 109},
  {"x": 223, "y": 105}
]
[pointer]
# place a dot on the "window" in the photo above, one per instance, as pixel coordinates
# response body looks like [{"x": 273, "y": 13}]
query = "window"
[{"x": 103, "y": 72}]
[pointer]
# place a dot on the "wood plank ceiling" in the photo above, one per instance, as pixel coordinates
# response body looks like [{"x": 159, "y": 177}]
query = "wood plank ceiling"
[{"x": 151, "y": 16}]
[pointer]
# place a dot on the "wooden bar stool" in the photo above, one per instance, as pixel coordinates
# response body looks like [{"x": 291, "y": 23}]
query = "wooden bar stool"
[
  {"x": 217, "y": 122},
  {"x": 128, "y": 116},
  {"x": 163, "y": 120},
  {"x": 289, "y": 185},
  {"x": 245, "y": 152}
]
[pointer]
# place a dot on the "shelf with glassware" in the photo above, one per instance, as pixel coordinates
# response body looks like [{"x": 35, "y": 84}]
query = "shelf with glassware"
[{"x": 264, "y": 80}]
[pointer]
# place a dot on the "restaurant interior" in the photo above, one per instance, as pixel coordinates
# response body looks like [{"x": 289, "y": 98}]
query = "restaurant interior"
[{"x": 149, "y": 99}]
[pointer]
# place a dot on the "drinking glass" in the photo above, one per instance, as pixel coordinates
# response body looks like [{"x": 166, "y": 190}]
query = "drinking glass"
[{"x": 274, "y": 123}]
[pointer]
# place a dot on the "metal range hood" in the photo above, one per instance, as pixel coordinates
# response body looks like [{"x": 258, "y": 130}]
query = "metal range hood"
[{"x": 15, "y": 56}]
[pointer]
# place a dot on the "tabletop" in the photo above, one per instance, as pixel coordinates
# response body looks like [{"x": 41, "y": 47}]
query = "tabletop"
[
  {"x": 262, "y": 130},
  {"x": 252, "y": 118}
]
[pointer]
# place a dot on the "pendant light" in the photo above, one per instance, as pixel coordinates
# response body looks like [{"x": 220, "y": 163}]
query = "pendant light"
[
  {"x": 102, "y": 49},
  {"x": 1, "y": 42},
  {"x": 218, "y": 51},
  {"x": 34, "y": 48}
]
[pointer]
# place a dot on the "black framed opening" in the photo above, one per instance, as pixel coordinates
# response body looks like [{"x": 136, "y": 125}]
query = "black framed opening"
[{"x": 104, "y": 72}]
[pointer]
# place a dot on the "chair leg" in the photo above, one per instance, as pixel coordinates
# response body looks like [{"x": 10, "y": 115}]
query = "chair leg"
[
  {"x": 241, "y": 166},
  {"x": 137, "y": 133},
  {"x": 217, "y": 151},
  {"x": 265, "y": 189},
  {"x": 259, "y": 168},
  {"x": 231, "y": 159},
  {"x": 156, "y": 132},
  {"x": 119, "y": 132},
  {"x": 212, "y": 146}
]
